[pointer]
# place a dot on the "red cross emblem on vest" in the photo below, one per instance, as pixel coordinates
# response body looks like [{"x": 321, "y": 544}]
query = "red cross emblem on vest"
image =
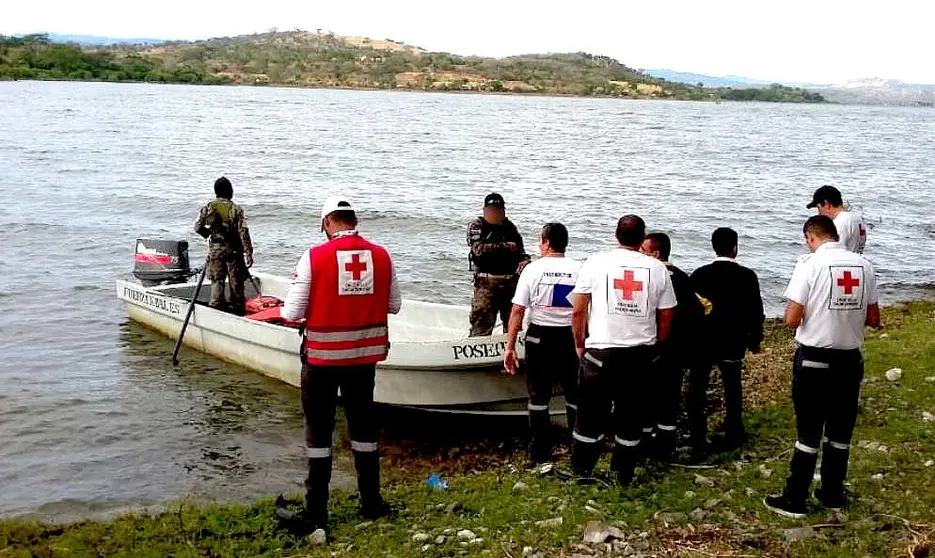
[
  {"x": 355, "y": 267},
  {"x": 848, "y": 282},
  {"x": 628, "y": 285}
]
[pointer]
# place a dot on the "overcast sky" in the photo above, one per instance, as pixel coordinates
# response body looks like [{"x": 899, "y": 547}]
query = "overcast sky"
[{"x": 818, "y": 41}]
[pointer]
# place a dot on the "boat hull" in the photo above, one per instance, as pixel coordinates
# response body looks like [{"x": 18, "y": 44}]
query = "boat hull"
[{"x": 451, "y": 375}]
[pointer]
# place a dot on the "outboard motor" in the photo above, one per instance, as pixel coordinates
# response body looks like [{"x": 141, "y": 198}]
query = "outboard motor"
[{"x": 161, "y": 261}]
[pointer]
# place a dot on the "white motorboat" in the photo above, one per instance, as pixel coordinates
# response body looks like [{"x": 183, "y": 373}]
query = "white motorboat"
[{"x": 432, "y": 363}]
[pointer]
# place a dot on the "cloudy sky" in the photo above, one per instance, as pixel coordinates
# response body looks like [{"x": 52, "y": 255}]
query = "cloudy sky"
[{"x": 817, "y": 41}]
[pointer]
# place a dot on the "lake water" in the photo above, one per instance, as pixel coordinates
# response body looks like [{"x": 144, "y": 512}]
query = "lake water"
[{"x": 94, "y": 418}]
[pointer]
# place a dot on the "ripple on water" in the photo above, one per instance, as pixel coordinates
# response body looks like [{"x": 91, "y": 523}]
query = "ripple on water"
[{"x": 94, "y": 416}]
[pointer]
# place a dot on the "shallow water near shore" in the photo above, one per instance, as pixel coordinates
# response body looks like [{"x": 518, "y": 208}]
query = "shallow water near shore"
[{"x": 94, "y": 418}]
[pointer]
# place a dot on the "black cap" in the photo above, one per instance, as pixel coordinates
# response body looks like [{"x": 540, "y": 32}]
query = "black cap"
[
  {"x": 494, "y": 199},
  {"x": 828, "y": 194}
]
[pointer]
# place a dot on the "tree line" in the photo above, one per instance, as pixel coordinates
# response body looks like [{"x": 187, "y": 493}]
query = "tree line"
[{"x": 325, "y": 60}]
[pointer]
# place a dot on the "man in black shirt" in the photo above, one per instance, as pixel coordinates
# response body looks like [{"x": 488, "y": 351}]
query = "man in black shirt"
[
  {"x": 674, "y": 356},
  {"x": 733, "y": 323}
]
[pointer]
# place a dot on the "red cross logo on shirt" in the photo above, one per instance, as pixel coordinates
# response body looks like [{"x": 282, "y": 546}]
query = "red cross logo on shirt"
[
  {"x": 628, "y": 285},
  {"x": 355, "y": 267},
  {"x": 848, "y": 282}
]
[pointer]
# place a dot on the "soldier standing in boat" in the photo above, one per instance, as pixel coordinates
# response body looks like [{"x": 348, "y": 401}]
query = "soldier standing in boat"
[
  {"x": 230, "y": 251},
  {"x": 344, "y": 289},
  {"x": 497, "y": 257}
]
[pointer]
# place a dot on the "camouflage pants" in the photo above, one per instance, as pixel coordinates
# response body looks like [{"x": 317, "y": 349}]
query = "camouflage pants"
[
  {"x": 492, "y": 296},
  {"x": 225, "y": 265}
]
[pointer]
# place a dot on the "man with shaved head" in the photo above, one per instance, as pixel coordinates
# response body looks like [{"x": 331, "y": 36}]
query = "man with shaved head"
[{"x": 625, "y": 301}]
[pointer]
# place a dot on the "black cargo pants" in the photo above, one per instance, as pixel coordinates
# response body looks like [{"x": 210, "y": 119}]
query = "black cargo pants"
[
  {"x": 825, "y": 393},
  {"x": 665, "y": 393},
  {"x": 551, "y": 359},
  {"x": 620, "y": 377},
  {"x": 319, "y": 402},
  {"x": 699, "y": 380}
]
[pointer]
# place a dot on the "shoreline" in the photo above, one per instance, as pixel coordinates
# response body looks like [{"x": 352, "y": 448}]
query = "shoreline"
[
  {"x": 711, "y": 511},
  {"x": 440, "y": 91}
]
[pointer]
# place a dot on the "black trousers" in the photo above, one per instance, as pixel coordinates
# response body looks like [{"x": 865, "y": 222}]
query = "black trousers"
[
  {"x": 551, "y": 359},
  {"x": 665, "y": 395},
  {"x": 825, "y": 393},
  {"x": 616, "y": 376},
  {"x": 319, "y": 402},
  {"x": 699, "y": 380}
]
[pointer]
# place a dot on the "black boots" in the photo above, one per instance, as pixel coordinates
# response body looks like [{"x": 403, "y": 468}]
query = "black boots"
[{"x": 372, "y": 505}]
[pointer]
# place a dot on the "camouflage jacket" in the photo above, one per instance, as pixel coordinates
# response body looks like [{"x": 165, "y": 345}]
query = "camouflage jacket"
[
  {"x": 495, "y": 249},
  {"x": 224, "y": 222}
]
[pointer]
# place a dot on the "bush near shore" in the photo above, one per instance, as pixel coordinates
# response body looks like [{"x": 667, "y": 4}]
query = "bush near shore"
[{"x": 499, "y": 508}]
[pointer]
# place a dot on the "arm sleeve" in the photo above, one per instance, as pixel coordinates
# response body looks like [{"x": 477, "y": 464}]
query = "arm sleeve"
[
  {"x": 200, "y": 221},
  {"x": 667, "y": 299},
  {"x": 799, "y": 286},
  {"x": 297, "y": 300},
  {"x": 757, "y": 315},
  {"x": 520, "y": 248},
  {"x": 244, "y": 233},
  {"x": 871, "y": 280},
  {"x": 585, "y": 282},
  {"x": 396, "y": 299},
  {"x": 479, "y": 247},
  {"x": 523, "y": 295}
]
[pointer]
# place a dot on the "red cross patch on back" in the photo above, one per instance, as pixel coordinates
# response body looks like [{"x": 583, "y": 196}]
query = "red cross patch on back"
[
  {"x": 355, "y": 272},
  {"x": 847, "y": 288},
  {"x": 628, "y": 291}
]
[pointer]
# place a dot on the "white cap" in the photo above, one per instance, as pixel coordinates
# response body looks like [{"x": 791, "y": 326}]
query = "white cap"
[{"x": 335, "y": 203}]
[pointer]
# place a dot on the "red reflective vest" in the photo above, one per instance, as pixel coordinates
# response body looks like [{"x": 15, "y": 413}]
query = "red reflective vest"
[{"x": 348, "y": 301}]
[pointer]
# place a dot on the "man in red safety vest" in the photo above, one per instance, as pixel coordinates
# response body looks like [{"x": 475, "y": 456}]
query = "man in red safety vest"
[{"x": 344, "y": 289}]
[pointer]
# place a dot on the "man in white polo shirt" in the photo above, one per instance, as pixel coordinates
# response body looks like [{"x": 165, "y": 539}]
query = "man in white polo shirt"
[
  {"x": 832, "y": 297},
  {"x": 544, "y": 288},
  {"x": 851, "y": 228},
  {"x": 625, "y": 302}
]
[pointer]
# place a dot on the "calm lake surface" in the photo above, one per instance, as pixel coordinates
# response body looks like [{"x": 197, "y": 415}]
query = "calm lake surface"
[{"x": 94, "y": 418}]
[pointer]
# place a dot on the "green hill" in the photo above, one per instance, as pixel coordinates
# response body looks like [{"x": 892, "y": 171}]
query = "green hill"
[{"x": 304, "y": 59}]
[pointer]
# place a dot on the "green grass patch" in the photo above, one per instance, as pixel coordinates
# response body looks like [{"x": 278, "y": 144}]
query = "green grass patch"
[{"x": 681, "y": 512}]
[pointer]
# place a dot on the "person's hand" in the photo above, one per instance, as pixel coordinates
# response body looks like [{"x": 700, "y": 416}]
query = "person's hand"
[
  {"x": 581, "y": 351},
  {"x": 248, "y": 259},
  {"x": 510, "y": 361},
  {"x": 522, "y": 266}
]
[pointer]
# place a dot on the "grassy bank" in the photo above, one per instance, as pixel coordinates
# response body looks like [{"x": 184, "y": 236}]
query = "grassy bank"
[{"x": 714, "y": 511}]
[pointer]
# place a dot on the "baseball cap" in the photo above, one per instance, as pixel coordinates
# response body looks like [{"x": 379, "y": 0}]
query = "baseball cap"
[
  {"x": 828, "y": 194},
  {"x": 494, "y": 199},
  {"x": 335, "y": 203}
]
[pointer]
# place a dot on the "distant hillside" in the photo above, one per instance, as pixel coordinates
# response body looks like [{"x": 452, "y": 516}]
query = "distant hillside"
[
  {"x": 706, "y": 81},
  {"x": 881, "y": 92},
  {"x": 93, "y": 40},
  {"x": 300, "y": 58}
]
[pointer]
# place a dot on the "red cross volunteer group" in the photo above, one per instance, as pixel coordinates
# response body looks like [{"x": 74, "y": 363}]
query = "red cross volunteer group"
[{"x": 618, "y": 332}]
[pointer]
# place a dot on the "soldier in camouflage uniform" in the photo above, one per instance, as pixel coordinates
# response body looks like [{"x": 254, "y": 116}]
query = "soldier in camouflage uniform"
[
  {"x": 230, "y": 251},
  {"x": 497, "y": 256}
]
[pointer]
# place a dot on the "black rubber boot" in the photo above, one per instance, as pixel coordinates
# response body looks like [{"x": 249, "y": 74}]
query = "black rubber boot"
[
  {"x": 372, "y": 505},
  {"x": 802, "y": 470},
  {"x": 540, "y": 443},
  {"x": 833, "y": 471},
  {"x": 664, "y": 447},
  {"x": 623, "y": 463}
]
